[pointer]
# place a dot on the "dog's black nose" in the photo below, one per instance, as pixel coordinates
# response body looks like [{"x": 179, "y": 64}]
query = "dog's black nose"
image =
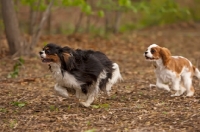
[
  {"x": 40, "y": 52},
  {"x": 145, "y": 52}
]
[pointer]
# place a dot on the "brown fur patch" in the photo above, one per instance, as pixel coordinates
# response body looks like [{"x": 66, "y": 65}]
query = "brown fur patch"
[
  {"x": 165, "y": 55},
  {"x": 66, "y": 56},
  {"x": 156, "y": 54},
  {"x": 177, "y": 64},
  {"x": 55, "y": 58},
  {"x": 46, "y": 48}
]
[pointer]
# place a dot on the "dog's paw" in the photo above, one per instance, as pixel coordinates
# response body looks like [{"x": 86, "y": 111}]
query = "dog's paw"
[
  {"x": 60, "y": 98},
  {"x": 190, "y": 94},
  {"x": 176, "y": 94},
  {"x": 108, "y": 93},
  {"x": 167, "y": 88},
  {"x": 85, "y": 104},
  {"x": 152, "y": 85}
]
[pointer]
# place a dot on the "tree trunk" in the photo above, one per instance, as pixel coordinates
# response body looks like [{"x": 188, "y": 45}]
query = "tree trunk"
[
  {"x": 37, "y": 34},
  {"x": 117, "y": 21},
  {"x": 78, "y": 24},
  {"x": 33, "y": 16},
  {"x": 12, "y": 30},
  {"x": 48, "y": 20}
]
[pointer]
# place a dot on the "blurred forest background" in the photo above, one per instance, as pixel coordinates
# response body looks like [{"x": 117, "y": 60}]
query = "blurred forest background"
[
  {"x": 23, "y": 21},
  {"x": 122, "y": 29}
]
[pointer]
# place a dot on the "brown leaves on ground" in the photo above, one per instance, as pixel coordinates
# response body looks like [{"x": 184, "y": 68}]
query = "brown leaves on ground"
[{"x": 28, "y": 103}]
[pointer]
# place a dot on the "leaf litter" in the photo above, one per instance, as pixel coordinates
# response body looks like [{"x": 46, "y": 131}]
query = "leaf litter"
[{"x": 29, "y": 103}]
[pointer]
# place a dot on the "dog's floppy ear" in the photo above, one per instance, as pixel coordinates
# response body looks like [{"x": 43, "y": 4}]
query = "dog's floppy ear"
[
  {"x": 66, "y": 56},
  {"x": 68, "y": 61},
  {"x": 165, "y": 55}
]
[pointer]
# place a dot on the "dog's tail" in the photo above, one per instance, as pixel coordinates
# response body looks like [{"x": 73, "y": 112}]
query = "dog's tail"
[
  {"x": 196, "y": 72},
  {"x": 116, "y": 75}
]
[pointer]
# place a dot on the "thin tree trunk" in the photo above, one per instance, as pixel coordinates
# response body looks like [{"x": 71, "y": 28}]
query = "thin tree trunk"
[
  {"x": 107, "y": 28},
  {"x": 88, "y": 24},
  {"x": 12, "y": 30},
  {"x": 49, "y": 24},
  {"x": 48, "y": 20},
  {"x": 33, "y": 16},
  {"x": 36, "y": 35},
  {"x": 117, "y": 22},
  {"x": 77, "y": 26}
]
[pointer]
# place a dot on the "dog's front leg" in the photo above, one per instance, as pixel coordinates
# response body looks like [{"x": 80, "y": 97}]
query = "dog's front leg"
[
  {"x": 61, "y": 90},
  {"x": 89, "y": 101},
  {"x": 160, "y": 84}
]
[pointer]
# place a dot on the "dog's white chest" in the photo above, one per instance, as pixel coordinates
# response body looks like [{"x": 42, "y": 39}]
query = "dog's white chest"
[
  {"x": 65, "y": 78},
  {"x": 164, "y": 75}
]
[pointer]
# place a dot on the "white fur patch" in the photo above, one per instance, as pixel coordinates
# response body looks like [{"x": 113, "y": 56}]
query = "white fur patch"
[
  {"x": 116, "y": 76},
  {"x": 148, "y": 52},
  {"x": 43, "y": 55},
  {"x": 67, "y": 80}
]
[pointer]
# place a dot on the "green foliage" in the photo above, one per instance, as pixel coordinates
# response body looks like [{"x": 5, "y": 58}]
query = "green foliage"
[
  {"x": 16, "y": 67},
  {"x": 19, "y": 104},
  {"x": 85, "y": 7},
  {"x": 34, "y": 4},
  {"x": 160, "y": 12},
  {"x": 53, "y": 108},
  {"x": 195, "y": 10},
  {"x": 105, "y": 106},
  {"x": 133, "y": 14},
  {"x": 3, "y": 110},
  {"x": 12, "y": 123},
  {"x": 128, "y": 26},
  {"x": 127, "y": 5},
  {"x": 112, "y": 5},
  {"x": 101, "y": 13}
]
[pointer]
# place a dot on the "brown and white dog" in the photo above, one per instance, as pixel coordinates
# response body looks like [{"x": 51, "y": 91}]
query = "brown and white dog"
[{"x": 176, "y": 70}]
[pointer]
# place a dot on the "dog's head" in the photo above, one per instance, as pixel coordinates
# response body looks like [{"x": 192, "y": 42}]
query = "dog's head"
[
  {"x": 155, "y": 52},
  {"x": 53, "y": 53}
]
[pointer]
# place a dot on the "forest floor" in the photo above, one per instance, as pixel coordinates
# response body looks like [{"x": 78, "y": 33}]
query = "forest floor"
[{"x": 29, "y": 103}]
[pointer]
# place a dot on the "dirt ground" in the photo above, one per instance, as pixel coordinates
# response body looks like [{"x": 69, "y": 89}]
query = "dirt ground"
[{"x": 29, "y": 103}]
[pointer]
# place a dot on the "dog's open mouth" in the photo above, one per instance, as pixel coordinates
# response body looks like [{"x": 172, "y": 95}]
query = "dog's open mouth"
[
  {"x": 149, "y": 58},
  {"x": 46, "y": 60}
]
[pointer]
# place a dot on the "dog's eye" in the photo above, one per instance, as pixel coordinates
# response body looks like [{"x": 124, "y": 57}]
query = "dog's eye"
[
  {"x": 153, "y": 51},
  {"x": 47, "y": 51}
]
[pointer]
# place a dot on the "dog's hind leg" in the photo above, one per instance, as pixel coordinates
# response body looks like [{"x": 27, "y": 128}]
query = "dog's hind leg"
[
  {"x": 187, "y": 82},
  {"x": 116, "y": 76},
  {"x": 89, "y": 101},
  {"x": 177, "y": 87}
]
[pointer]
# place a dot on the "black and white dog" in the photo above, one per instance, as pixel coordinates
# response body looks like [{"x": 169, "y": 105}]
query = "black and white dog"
[{"x": 84, "y": 72}]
